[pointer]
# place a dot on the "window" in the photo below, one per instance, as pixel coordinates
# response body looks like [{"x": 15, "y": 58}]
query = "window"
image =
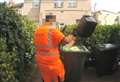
[
  {"x": 35, "y": 3},
  {"x": 72, "y": 3},
  {"x": 28, "y": 1},
  {"x": 58, "y": 3}
]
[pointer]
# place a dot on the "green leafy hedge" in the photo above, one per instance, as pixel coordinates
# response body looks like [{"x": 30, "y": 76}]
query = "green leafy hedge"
[
  {"x": 68, "y": 29},
  {"x": 102, "y": 34},
  {"x": 105, "y": 34},
  {"x": 16, "y": 46}
]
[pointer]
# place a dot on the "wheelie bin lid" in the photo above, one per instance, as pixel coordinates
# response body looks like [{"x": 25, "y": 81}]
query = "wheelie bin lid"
[{"x": 86, "y": 26}]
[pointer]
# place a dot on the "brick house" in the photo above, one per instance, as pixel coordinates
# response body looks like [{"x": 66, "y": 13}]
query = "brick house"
[{"x": 65, "y": 11}]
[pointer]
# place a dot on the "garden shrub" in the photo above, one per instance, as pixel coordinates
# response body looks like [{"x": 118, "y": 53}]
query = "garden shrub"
[
  {"x": 69, "y": 29},
  {"x": 102, "y": 34},
  {"x": 16, "y": 51}
]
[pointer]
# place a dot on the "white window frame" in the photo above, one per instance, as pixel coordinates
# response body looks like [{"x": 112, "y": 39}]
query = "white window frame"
[
  {"x": 58, "y": 3},
  {"x": 28, "y": 1},
  {"x": 35, "y": 3},
  {"x": 72, "y": 3}
]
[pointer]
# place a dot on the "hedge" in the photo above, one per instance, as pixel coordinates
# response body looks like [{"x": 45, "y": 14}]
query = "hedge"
[
  {"x": 102, "y": 34},
  {"x": 16, "y": 46}
]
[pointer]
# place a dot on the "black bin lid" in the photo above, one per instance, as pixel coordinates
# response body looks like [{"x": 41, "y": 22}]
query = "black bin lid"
[{"x": 86, "y": 26}]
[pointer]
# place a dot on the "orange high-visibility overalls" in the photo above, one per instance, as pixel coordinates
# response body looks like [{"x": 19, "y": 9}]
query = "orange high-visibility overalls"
[{"x": 47, "y": 56}]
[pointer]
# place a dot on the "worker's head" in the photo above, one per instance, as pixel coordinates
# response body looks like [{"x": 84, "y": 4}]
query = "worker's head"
[{"x": 50, "y": 18}]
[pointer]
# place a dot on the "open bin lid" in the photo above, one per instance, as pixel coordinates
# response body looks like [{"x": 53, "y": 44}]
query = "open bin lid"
[{"x": 86, "y": 26}]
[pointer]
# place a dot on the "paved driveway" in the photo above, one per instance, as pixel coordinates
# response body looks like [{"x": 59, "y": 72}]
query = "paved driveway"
[{"x": 90, "y": 76}]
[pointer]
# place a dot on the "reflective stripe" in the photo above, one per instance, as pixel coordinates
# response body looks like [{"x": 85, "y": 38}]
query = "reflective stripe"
[
  {"x": 49, "y": 45},
  {"x": 40, "y": 46},
  {"x": 48, "y": 53},
  {"x": 49, "y": 38}
]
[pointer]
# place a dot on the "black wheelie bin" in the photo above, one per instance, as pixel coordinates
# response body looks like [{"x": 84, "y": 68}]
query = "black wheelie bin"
[{"x": 106, "y": 58}]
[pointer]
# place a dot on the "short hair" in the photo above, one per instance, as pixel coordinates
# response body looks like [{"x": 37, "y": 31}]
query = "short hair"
[{"x": 48, "y": 17}]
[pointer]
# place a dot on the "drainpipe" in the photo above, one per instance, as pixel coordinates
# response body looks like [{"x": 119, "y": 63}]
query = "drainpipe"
[
  {"x": 95, "y": 12},
  {"x": 39, "y": 12},
  {"x": 95, "y": 7}
]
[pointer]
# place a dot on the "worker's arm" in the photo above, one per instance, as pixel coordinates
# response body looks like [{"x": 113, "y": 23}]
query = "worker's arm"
[
  {"x": 60, "y": 38},
  {"x": 69, "y": 38}
]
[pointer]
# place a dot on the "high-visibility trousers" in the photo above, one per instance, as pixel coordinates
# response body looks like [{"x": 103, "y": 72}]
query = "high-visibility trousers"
[{"x": 50, "y": 68}]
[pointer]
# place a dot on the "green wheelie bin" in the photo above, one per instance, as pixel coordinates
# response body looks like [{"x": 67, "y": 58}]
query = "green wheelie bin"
[{"x": 74, "y": 63}]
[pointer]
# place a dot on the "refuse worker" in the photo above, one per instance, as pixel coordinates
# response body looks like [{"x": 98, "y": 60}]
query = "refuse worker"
[{"x": 46, "y": 40}]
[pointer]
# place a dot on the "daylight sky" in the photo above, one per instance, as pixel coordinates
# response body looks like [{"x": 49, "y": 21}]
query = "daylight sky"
[{"x": 111, "y": 5}]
